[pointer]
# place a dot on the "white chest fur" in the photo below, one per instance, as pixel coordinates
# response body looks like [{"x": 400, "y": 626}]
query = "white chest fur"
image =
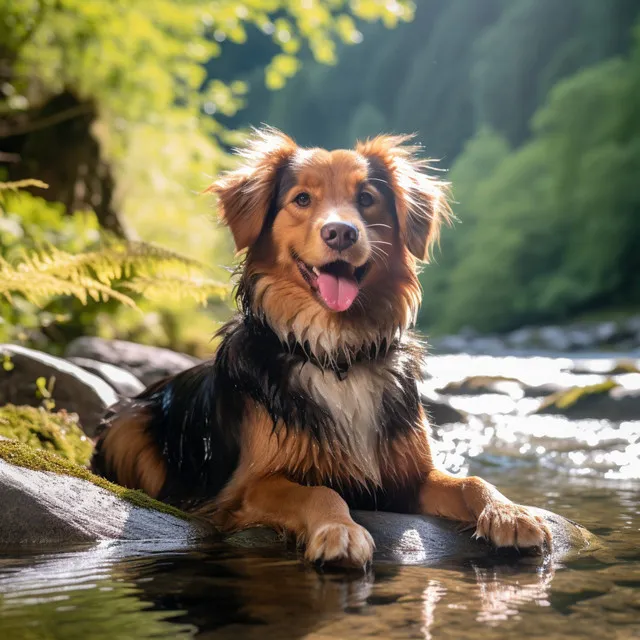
[{"x": 354, "y": 404}]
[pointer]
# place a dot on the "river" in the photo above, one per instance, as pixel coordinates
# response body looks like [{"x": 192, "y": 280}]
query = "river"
[{"x": 587, "y": 470}]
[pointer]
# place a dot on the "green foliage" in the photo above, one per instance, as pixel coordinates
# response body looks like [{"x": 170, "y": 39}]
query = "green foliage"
[
  {"x": 533, "y": 104},
  {"x": 534, "y": 107},
  {"x": 90, "y": 266},
  {"x": 162, "y": 83},
  {"x": 555, "y": 224},
  {"x": 37, "y": 428}
]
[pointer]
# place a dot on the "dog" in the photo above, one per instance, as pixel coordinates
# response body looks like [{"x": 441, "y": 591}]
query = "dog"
[{"x": 310, "y": 406}]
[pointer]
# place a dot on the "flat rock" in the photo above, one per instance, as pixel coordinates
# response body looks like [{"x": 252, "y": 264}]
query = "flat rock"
[
  {"x": 45, "y": 508},
  {"x": 123, "y": 381},
  {"x": 605, "y": 366},
  {"x": 75, "y": 389},
  {"x": 606, "y": 401},
  {"x": 145, "y": 362},
  {"x": 480, "y": 385}
]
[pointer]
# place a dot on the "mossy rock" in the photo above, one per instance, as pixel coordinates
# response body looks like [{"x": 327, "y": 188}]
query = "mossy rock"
[
  {"x": 37, "y": 428},
  {"x": 47, "y": 500},
  {"x": 480, "y": 385},
  {"x": 606, "y": 400},
  {"x": 22, "y": 455}
]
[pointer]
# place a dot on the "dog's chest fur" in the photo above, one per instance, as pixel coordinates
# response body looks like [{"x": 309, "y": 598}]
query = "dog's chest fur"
[{"x": 354, "y": 405}]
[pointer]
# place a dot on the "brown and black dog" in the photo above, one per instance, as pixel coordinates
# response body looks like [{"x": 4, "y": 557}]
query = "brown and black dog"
[{"x": 310, "y": 406}]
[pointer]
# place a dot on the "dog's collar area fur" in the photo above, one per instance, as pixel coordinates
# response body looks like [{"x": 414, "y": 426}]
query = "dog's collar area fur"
[
  {"x": 338, "y": 363},
  {"x": 341, "y": 365}
]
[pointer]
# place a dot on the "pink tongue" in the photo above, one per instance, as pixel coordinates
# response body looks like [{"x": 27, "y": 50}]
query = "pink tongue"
[{"x": 337, "y": 292}]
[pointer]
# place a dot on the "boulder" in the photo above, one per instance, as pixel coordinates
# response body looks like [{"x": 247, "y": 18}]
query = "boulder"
[
  {"x": 605, "y": 366},
  {"x": 449, "y": 344},
  {"x": 145, "y": 362},
  {"x": 608, "y": 400},
  {"x": 521, "y": 338},
  {"x": 542, "y": 390},
  {"x": 554, "y": 338},
  {"x": 44, "y": 505},
  {"x": 480, "y": 385},
  {"x": 440, "y": 411},
  {"x": 49, "y": 501},
  {"x": 124, "y": 382},
  {"x": 487, "y": 345},
  {"x": 73, "y": 389}
]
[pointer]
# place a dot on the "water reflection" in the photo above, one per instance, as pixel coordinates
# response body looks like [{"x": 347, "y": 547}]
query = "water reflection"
[{"x": 114, "y": 591}]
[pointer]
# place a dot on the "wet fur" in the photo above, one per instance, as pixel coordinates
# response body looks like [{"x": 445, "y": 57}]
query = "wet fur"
[{"x": 304, "y": 413}]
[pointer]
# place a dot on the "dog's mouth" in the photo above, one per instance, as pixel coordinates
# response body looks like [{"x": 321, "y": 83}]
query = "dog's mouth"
[{"x": 336, "y": 283}]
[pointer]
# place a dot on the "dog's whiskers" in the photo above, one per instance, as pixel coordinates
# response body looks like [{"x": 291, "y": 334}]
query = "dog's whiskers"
[
  {"x": 378, "y": 224},
  {"x": 381, "y": 254}
]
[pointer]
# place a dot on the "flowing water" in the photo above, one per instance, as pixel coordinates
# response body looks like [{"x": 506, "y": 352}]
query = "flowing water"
[{"x": 586, "y": 470}]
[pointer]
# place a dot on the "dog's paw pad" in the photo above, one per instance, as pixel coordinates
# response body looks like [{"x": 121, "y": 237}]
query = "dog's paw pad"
[
  {"x": 510, "y": 525},
  {"x": 347, "y": 544}
]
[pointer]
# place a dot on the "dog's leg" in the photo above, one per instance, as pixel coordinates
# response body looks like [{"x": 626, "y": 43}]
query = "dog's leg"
[
  {"x": 317, "y": 516},
  {"x": 475, "y": 501}
]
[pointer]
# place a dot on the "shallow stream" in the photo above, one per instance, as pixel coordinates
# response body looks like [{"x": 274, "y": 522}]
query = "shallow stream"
[{"x": 586, "y": 470}]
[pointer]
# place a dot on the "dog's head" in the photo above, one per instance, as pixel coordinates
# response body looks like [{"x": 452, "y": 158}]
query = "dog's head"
[{"x": 333, "y": 237}]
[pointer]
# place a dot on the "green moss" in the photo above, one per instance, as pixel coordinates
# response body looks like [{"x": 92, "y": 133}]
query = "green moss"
[
  {"x": 565, "y": 400},
  {"x": 56, "y": 432},
  {"x": 22, "y": 455},
  {"x": 624, "y": 366}
]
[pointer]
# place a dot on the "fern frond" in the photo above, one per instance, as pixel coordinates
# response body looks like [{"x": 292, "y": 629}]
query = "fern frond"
[
  {"x": 38, "y": 287},
  {"x": 94, "y": 274},
  {"x": 177, "y": 288},
  {"x": 23, "y": 184}
]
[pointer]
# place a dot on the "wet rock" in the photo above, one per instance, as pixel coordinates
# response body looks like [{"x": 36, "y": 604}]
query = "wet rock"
[
  {"x": 487, "y": 344},
  {"x": 632, "y": 327},
  {"x": 554, "y": 338},
  {"x": 605, "y": 366},
  {"x": 47, "y": 499},
  {"x": 146, "y": 363},
  {"x": 480, "y": 385},
  {"x": 542, "y": 390},
  {"x": 521, "y": 338},
  {"x": 124, "y": 382},
  {"x": 606, "y": 332},
  {"x": 47, "y": 508},
  {"x": 608, "y": 400},
  {"x": 449, "y": 344},
  {"x": 412, "y": 539},
  {"x": 581, "y": 339},
  {"x": 41, "y": 507},
  {"x": 74, "y": 389},
  {"x": 440, "y": 411}
]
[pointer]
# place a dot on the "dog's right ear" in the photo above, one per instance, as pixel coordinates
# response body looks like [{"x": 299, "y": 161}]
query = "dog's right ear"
[{"x": 246, "y": 193}]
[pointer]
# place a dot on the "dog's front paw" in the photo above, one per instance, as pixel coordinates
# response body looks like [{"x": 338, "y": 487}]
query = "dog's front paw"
[
  {"x": 510, "y": 525},
  {"x": 345, "y": 544}
]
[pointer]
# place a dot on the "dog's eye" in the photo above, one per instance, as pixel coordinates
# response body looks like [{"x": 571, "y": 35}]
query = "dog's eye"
[
  {"x": 303, "y": 199},
  {"x": 365, "y": 199}
]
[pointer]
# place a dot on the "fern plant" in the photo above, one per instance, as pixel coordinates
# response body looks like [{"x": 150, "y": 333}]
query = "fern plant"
[{"x": 118, "y": 270}]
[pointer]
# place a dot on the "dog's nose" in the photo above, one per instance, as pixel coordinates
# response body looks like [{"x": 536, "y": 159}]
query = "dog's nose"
[{"x": 339, "y": 235}]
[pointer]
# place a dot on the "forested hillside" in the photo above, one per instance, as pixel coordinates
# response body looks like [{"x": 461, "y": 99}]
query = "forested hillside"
[{"x": 534, "y": 107}]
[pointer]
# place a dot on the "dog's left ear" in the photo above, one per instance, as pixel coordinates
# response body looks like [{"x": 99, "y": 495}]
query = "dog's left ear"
[
  {"x": 246, "y": 194},
  {"x": 420, "y": 199}
]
